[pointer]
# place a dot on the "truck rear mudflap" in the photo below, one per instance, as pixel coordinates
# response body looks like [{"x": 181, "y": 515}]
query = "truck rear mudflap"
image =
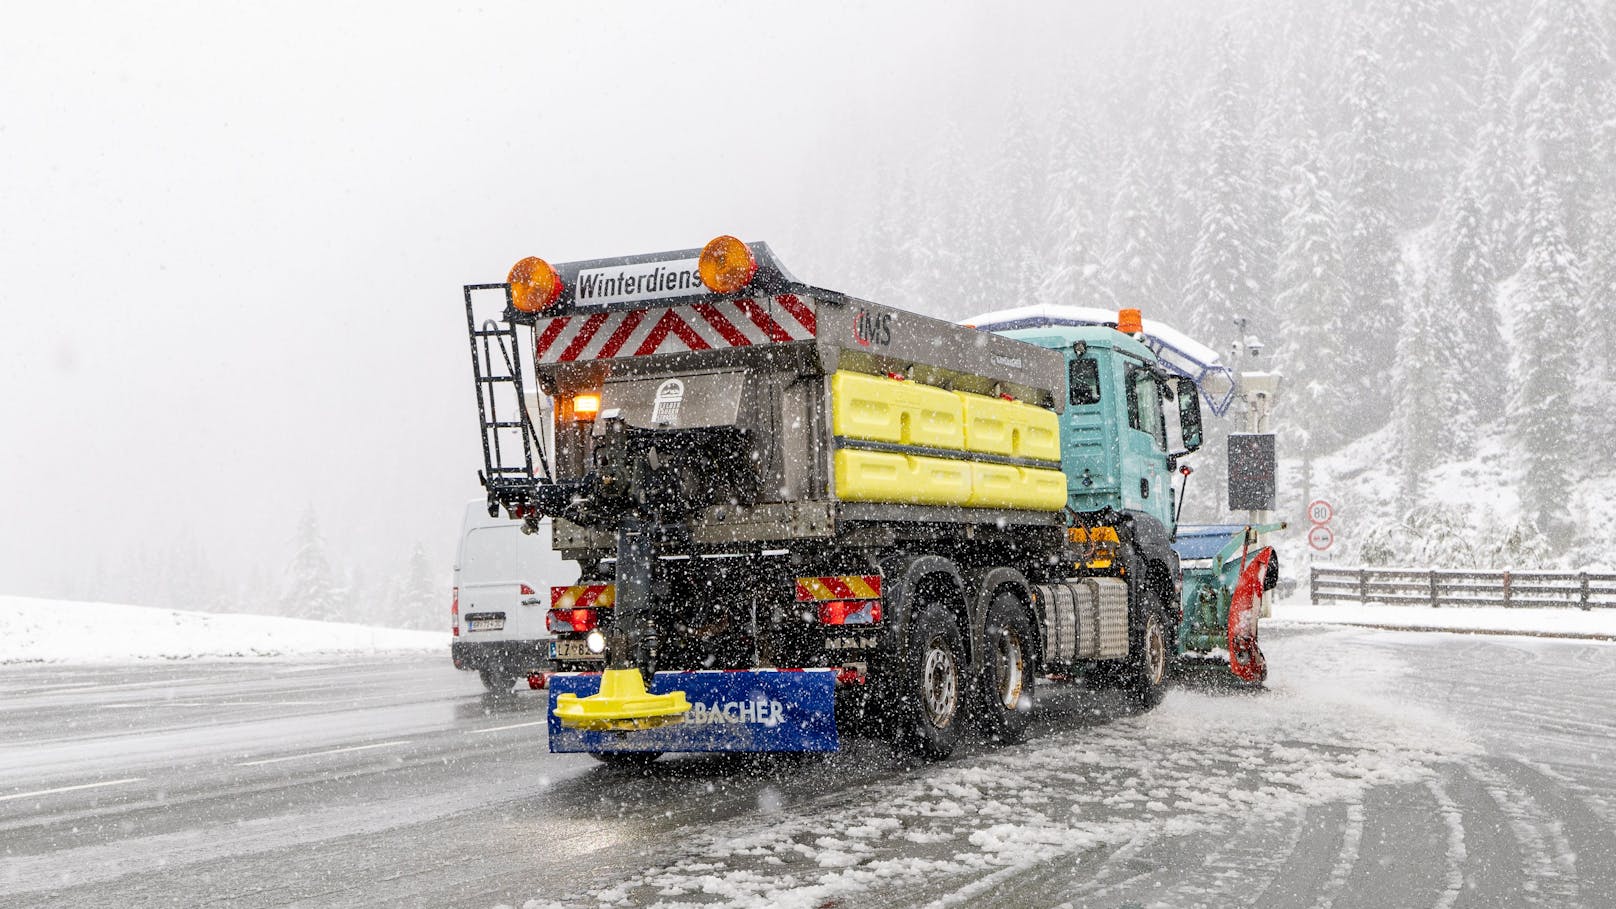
[{"x": 750, "y": 710}]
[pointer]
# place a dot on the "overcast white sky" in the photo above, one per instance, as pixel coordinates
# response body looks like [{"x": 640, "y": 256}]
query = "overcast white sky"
[{"x": 232, "y": 239}]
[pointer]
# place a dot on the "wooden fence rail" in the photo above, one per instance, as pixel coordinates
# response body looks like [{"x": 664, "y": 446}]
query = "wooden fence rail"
[{"x": 1442, "y": 587}]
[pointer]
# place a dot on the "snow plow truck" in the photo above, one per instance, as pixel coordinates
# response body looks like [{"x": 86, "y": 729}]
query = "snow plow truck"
[{"x": 794, "y": 511}]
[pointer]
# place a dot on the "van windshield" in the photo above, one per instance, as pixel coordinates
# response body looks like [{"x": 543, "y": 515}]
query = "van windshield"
[{"x": 491, "y": 555}]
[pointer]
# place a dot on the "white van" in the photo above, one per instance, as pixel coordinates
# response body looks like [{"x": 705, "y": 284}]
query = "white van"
[{"x": 502, "y": 582}]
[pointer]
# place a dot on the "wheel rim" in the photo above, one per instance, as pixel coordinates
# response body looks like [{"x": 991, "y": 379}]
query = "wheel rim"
[
  {"x": 939, "y": 685},
  {"x": 1155, "y": 652},
  {"x": 1010, "y": 669}
]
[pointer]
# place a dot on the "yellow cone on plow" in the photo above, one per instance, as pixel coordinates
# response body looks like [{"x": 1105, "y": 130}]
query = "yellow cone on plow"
[{"x": 623, "y": 704}]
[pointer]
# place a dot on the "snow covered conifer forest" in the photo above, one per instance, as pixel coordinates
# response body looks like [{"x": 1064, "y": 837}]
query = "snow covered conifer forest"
[{"x": 1412, "y": 202}]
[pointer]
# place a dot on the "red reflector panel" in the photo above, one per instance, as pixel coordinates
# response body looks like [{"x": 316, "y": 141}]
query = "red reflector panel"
[
  {"x": 850, "y": 612},
  {"x": 528, "y": 591},
  {"x": 571, "y": 620}
]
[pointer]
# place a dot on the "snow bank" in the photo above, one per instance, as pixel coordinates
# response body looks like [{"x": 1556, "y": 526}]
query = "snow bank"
[
  {"x": 35, "y": 630},
  {"x": 1595, "y": 623}
]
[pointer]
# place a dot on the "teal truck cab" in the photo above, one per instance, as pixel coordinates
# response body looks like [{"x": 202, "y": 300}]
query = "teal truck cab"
[{"x": 1123, "y": 453}]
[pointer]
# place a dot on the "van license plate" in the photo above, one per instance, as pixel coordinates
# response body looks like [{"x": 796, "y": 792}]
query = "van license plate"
[
  {"x": 486, "y": 624},
  {"x": 573, "y": 650}
]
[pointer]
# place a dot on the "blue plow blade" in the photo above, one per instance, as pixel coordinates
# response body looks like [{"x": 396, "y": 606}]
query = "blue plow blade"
[{"x": 753, "y": 710}]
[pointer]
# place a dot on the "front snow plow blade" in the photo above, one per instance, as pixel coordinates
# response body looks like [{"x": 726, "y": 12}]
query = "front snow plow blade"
[
  {"x": 750, "y": 710},
  {"x": 1226, "y": 574},
  {"x": 622, "y": 704},
  {"x": 1245, "y": 657}
]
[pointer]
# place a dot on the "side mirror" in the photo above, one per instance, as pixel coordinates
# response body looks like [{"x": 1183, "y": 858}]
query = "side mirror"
[{"x": 1189, "y": 413}]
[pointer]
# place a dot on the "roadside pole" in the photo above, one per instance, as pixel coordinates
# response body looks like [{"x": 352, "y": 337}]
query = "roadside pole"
[{"x": 1253, "y": 456}]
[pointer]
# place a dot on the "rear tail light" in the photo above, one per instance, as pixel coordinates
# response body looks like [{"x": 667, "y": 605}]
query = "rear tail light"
[
  {"x": 571, "y": 619},
  {"x": 851, "y": 675},
  {"x": 454, "y": 612},
  {"x": 850, "y": 612}
]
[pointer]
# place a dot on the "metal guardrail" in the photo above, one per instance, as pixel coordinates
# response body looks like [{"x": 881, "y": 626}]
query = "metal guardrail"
[{"x": 1445, "y": 587}]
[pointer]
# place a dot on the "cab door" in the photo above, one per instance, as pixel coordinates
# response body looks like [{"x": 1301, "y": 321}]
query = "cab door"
[{"x": 1146, "y": 478}]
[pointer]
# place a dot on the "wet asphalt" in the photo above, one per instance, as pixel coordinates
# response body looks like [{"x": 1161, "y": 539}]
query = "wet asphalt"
[{"x": 1376, "y": 769}]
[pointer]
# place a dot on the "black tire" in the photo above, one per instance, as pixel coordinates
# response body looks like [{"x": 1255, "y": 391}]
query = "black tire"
[
  {"x": 1149, "y": 657},
  {"x": 497, "y": 682},
  {"x": 625, "y": 760},
  {"x": 931, "y": 685},
  {"x": 1005, "y": 686}
]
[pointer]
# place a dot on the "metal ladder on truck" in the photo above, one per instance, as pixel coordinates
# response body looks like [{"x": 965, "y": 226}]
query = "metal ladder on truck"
[{"x": 510, "y": 441}]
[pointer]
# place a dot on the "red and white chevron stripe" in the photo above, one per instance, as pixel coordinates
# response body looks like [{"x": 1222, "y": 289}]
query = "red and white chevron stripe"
[{"x": 674, "y": 329}]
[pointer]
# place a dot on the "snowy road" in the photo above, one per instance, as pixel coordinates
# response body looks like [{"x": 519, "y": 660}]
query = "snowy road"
[{"x": 1379, "y": 769}]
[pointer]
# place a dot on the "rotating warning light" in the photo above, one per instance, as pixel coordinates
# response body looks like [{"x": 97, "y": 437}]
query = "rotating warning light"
[
  {"x": 1129, "y": 321},
  {"x": 726, "y": 265},
  {"x": 534, "y": 284}
]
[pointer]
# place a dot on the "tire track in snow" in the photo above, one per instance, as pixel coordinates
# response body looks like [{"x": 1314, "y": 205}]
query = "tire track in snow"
[
  {"x": 1017, "y": 885},
  {"x": 1453, "y": 819},
  {"x": 1124, "y": 867},
  {"x": 1304, "y": 868},
  {"x": 1548, "y": 877},
  {"x": 1494, "y": 860},
  {"x": 1586, "y": 843},
  {"x": 1346, "y": 857},
  {"x": 1242, "y": 866}
]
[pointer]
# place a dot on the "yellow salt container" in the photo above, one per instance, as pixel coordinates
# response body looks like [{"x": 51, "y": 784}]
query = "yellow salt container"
[
  {"x": 1007, "y": 486},
  {"x": 1011, "y": 428},
  {"x": 881, "y": 476},
  {"x": 878, "y": 409}
]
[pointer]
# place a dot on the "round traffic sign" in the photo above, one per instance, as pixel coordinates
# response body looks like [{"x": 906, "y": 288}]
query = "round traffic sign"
[
  {"x": 1320, "y": 537},
  {"x": 1320, "y": 511}
]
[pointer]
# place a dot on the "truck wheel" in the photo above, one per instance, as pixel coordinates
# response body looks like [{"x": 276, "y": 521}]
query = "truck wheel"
[
  {"x": 1007, "y": 672},
  {"x": 497, "y": 682},
  {"x": 931, "y": 696},
  {"x": 1147, "y": 663}
]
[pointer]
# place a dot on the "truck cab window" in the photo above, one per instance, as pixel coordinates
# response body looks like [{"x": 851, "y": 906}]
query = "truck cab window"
[
  {"x": 1083, "y": 378},
  {"x": 1145, "y": 406}
]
